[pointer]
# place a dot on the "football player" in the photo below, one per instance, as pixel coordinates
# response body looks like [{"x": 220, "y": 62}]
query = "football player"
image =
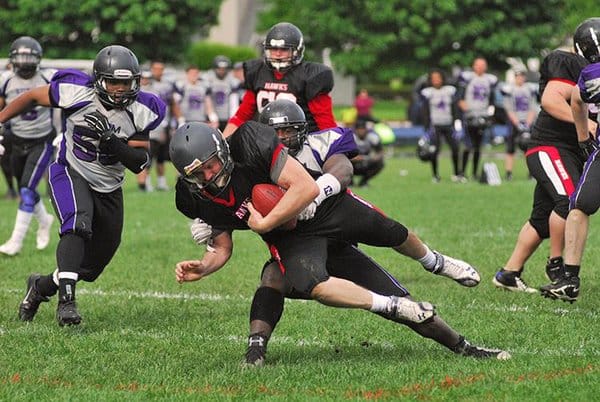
[
  {"x": 32, "y": 135},
  {"x": 586, "y": 199},
  {"x": 196, "y": 103},
  {"x": 476, "y": 96},
  {"x": 317, "y": 259},
  {"x": 439, "y": 113},
  {"x": 555, "y": 161},
  {"x": 282, "y": 74},
  {"x": 223, "y": 89},
  {"x": 107, "y": 116}
]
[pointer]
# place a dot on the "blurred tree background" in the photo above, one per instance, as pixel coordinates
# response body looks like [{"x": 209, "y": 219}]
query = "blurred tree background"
[{"x": 378, "y": 41}]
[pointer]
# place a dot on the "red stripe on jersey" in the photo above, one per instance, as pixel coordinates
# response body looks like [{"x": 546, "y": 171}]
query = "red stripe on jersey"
[
  {"x": 228, "y": 203},
  {"x": 367, "y": 203},
  {"x": 276, "y": 154},
  {"x": 321, "y": 107},
  {"x": 558, "y": 165},
  {"x": 246, "y": 110},
  {"x": 276, "y": 257},
  {"x": 565, "y": 80}
]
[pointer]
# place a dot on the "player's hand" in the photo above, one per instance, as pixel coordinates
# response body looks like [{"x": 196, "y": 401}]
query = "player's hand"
[
  {"x": 308, "y": 212},
  {"x": 256, "y": 220},
  {"x": 57, "y": 140},
  {"x": 201, "y": 231},
  {"x": 588, "y": 147},
  {"x": 100, "y": 124},
  {"x": 189, "y": 271}
]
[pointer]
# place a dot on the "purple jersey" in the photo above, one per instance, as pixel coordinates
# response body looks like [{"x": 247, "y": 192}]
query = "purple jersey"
[
  {"x": 589, "y": 84},
  {"x": 320, "y": 145}
]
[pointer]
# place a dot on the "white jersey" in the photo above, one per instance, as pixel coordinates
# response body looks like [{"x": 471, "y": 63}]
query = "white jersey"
[
  {"x": 478, "y": 92},
  {"x": 193, "y": 100},
  {"x": 521, "y": 100},
  {"x": 34, "y": 123},
  {"x": 320, "y": 145},
  {"x": 73, "y": 91},
  {"x": 223, "y": 93},
  {"x": 439, "y": 101},
  {"x": 165, "y": 90}
]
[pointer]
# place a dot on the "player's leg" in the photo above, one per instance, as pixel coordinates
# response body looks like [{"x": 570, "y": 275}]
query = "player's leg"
[
  {"x": 5, "y": 165},
  {"x": 509, "y": 157},
  {"x": 162, "y": 158}
]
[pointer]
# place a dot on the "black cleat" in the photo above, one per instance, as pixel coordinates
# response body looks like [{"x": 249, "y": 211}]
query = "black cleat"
[
  {"x": 512, "y": 281},
  {"x": 66, "y": 313},
  {"x": 555, "y": 269},
  {"x": 30, "y": 304},
  {"x": 565, "y": 288},
  {"x": 466, "y": 349},
  {"x": 256, "y": 352}
]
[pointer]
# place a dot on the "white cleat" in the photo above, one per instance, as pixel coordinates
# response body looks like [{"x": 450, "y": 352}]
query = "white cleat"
[
  {"x": 409, "y": 310},
  {"x": 458, "y": 270},
  {"x": 11, "y": 248},
  {"x": 43, "y": 232}
]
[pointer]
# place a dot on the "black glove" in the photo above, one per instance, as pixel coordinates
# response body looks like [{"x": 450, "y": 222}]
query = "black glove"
[
  {"x": 588, "y": 147},
  {"x": 100, "y": 124}
]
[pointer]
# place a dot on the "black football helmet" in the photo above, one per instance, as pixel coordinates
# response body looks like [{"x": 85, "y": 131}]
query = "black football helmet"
[
  {"x": 25, "y": 55},
  {"x": 195, "y": 144},
  {"x": 284, "y": 114},
  {"x": 221, "y": 64},
  {"x": 116, "y": 63},
  {"x": 586, "y": 40},
  {"x": 284, "y": 36}
]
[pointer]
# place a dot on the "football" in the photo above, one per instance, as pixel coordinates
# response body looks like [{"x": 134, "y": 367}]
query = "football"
[{"x": 264, "y": 198}]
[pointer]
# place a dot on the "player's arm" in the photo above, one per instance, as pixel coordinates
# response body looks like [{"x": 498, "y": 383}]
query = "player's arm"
[
  {"x": 340, "y": 168},
  {"x": 321, "y": 107},
  {"x": 212, "y": 261},
  {"x": 25, "y": 101},
  {"x": 555, "y": 100},
  {"x": 301, "y": 190},
  {"x": 244, "y": 113},
  {"x": 580, "y": 115},
  {"x": 212, "y": 116}
]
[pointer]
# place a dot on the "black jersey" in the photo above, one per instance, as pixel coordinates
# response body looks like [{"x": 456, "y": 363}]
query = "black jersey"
[
  {"x": 258, "y": 157},
  {"x": 300, "y": 84},
  {"x": 563, "y": 66}
]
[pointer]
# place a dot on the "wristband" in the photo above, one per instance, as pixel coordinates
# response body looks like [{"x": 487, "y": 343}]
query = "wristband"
[{"x": 328, "y": 185}]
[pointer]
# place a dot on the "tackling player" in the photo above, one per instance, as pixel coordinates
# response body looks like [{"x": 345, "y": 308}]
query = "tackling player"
[
  {"x": 282, "y": 74},
  {"x": 107, "y": 116},
  {"x": 317, "y": 258}
]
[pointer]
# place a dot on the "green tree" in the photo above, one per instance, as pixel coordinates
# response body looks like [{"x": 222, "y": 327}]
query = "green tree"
[
  {"x": 381, "y": 40},
  {"x": 152, "y": 28}
]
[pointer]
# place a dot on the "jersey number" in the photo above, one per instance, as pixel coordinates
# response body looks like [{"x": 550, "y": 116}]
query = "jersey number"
[
  {"x": 263, "y": 98},
  {"x": 86, "y": 150}
]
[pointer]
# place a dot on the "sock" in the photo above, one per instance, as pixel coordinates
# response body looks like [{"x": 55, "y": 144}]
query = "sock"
[
  {"x": 161, "y": 181},
  {"x": 380, "y": 303},
  {"x": 571, "y": 270},
  {"x": 39, "y": 210},
  {"x": 22, "y": 222},
  {"x": 429, "y": 260}
]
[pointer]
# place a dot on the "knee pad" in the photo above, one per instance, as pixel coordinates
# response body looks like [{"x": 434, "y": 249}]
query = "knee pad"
[
  {"x": 541, "y": 226},
  {"x": 29, "y": 198},
  {"x": 267, "y": 306}
]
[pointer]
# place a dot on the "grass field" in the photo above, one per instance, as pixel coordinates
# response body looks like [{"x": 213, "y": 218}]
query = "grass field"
[{"x": 144, "y": 337}]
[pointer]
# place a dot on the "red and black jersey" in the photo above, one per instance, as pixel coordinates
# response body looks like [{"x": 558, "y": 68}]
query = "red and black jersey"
[
  {"x": 547, "y": 130},
  {"x": 259, "y": 157},
  {"x": 303, "y": 84}
]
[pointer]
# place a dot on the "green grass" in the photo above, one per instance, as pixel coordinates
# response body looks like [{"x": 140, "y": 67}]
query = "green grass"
[
  {"x": 144, "y": 337},
  {"x": 385, "y": 110}
]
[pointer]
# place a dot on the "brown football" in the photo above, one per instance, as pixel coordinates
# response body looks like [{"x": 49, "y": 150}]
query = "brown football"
[{"x": 264, "y": 198}]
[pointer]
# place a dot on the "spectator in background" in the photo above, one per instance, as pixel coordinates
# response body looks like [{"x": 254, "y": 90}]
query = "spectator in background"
[
  {"x": 370, "y": 159},
  {"x": 223, "y": 89},
  {"x": 363, "y": 104},
  {"x": 476, "y": 96},
  {"x": 282, "y": 74},
  {"x": 521, "y": 108},
  {"x": 160, "y": 137},
  {"x": 439, "y": 114}
]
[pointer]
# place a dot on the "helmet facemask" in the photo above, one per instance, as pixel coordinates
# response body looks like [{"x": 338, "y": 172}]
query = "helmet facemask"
[
  {"x": 118, "y": 99},
  {"x": 293, "y": 134}
]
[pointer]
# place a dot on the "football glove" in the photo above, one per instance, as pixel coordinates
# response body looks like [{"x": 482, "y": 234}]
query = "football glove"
[
  {"x": 308, "y": 212},
  {"x": 57, "y": 140},
  {"x": 201, "y": 231},
  {"x": 100, "y": 124},
  {"x": 588, "y": 147}
]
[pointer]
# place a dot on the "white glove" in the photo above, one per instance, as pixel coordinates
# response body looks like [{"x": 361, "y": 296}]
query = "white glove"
[
  {"x": 201, "y": 231},
  {"x": 57, "y": 140},
  {"x": 1, "y": 146},
  {"x": 308, "y": 212}
]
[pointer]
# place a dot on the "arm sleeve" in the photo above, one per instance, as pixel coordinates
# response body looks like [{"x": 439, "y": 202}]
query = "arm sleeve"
[
  {"x": 246, "y": 110},
  {"x": 321, "y": 108}
]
